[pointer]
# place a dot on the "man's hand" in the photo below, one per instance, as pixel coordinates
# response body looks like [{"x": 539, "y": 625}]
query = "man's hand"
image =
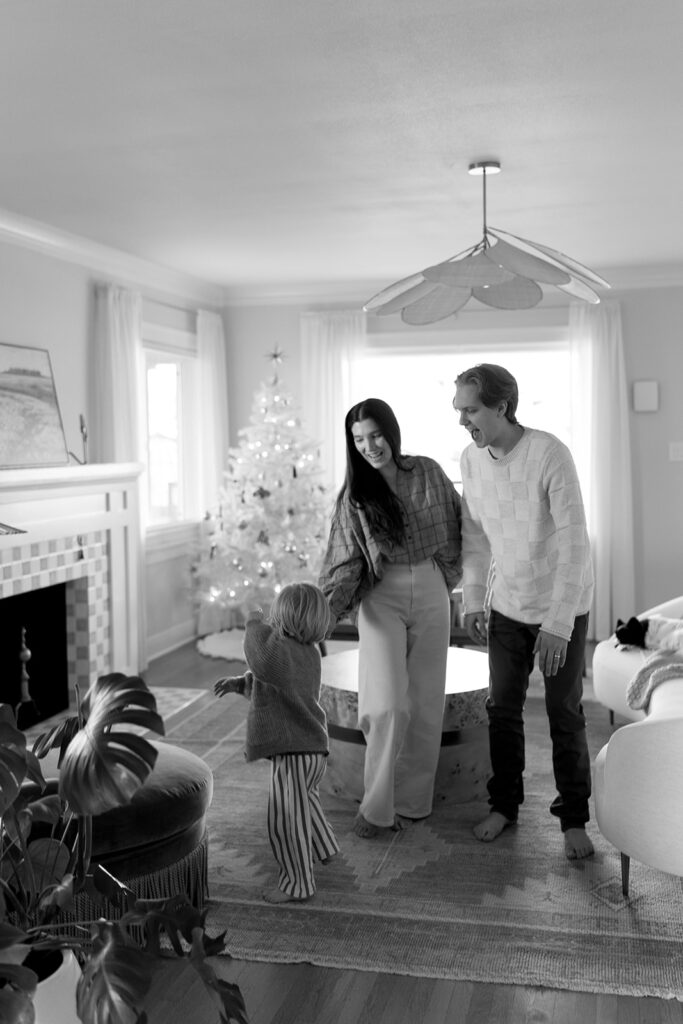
[
  {"x": 475, "y": 624},
  {"x": 552, "y": 652}
]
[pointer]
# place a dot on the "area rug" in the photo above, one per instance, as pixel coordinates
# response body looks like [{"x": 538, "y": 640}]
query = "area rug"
[
  {"x": 171, "y": 700},
  {"x": 432, "y": 901}
]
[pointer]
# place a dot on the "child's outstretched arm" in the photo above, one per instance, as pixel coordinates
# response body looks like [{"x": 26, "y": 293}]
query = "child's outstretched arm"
[{"x": 234, "y": 684}]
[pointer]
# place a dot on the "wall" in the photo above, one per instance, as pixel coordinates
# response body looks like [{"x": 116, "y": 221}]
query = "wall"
[
  {"x": 47, "y": 302},
  {"x": 652, "y": 323},
  {"x": 652, "y": 320}
]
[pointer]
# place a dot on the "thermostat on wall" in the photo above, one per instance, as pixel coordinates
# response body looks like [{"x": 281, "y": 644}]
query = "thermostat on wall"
[{"x": 645, "y": 396}]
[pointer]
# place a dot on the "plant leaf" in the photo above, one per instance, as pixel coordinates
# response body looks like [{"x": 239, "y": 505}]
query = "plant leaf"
[
  {"x": 104, "y": 767},
  {"x": 11, "y": 936},
  {"x": 59, "y": 735},
  {"x": 18, "y": 986},
  {"x": 13, "y": 759},
  {"x": 115, "y": 979},
  {"x": 225, "y": 994}
]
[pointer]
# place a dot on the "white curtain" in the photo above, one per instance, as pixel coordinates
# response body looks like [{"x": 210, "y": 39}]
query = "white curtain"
[
  {"x": 117, "y": 410},
  {"x": 117, "y": 430},
  {"x": 213, "y": 406},
  {"x": 330, "y": 344},
  {"x": 602, "y": 449}
]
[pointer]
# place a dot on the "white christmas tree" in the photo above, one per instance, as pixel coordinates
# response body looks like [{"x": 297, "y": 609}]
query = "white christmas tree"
[{"x": 270, "y": 526}]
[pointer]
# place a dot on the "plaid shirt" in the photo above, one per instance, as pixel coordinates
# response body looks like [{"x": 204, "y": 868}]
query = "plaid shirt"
[{"x": 355, "y": 559}]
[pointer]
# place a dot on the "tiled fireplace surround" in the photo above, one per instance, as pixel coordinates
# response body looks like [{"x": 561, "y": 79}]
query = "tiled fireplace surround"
[{"x": 81, "y": 528}]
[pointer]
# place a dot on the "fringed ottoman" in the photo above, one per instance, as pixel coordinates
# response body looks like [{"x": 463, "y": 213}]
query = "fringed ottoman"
[{"x": 158, "y": 843}]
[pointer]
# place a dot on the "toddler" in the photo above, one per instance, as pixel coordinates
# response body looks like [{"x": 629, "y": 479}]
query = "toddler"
[{"x": 287, "y": 725}]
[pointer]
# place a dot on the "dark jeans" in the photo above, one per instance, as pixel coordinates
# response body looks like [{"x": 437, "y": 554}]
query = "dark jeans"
[{"x": 511, "y": 660}]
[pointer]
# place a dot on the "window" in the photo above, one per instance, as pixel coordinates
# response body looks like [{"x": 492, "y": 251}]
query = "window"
[
  {"x": 419, "y": 386},
  {"x": 170, "y": 395}
]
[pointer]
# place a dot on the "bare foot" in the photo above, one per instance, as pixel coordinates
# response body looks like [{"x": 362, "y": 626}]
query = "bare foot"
[
  {"x": 577, "y": 844},
  {"x": 402, "y": 821},
  {"x": 365, "y": 829},
  {"x": 278, "y": 896},
  {"x": 491, "y": 827}
]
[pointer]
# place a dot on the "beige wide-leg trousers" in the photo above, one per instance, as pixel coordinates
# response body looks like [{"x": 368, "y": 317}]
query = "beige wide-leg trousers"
[{"x": 404, "y": 630}]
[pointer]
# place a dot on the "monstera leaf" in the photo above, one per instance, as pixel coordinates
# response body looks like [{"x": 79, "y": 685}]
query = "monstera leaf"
[
  {"x": 105, "y": 763},
  {"x": 115, "y": 979},
  {"x": 13, "y": 763}
]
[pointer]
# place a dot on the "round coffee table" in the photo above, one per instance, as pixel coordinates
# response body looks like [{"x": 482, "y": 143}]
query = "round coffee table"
[{"x": 464, "y": 764}]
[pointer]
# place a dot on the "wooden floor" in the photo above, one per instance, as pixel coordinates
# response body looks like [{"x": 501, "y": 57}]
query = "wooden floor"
[{"x": 304, "y": 994}]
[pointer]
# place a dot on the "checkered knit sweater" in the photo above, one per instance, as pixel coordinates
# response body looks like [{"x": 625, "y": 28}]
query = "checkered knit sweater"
[
  {"x": 285, "y": 715},
  {"x": 524, "y": 534}
]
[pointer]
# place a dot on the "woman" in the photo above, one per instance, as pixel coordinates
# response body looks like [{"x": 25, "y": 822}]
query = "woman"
[{"x": 394, "y": 555}]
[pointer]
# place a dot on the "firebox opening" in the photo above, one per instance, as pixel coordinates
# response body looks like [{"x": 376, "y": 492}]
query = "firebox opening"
[{"x": 42, "y": 615}]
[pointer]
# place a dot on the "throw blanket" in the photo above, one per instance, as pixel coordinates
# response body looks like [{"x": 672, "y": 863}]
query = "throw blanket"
[{"x": 659, "y": 667}]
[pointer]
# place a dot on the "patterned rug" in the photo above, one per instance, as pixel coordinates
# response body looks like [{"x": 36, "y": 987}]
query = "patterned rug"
[
  {"x": 171, "y": 700},
  {"x": 432, "y": 901}
]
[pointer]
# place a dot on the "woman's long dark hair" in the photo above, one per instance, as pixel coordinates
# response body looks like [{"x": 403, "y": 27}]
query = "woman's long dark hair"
[{"x": 365, "y": 486}]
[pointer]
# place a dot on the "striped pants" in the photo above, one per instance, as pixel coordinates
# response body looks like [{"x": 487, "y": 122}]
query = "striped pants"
[{"x": 298, "y": 831}]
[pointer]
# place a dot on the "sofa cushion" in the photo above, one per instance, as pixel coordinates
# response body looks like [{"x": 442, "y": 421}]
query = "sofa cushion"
[{"x": 614, "y": 667}]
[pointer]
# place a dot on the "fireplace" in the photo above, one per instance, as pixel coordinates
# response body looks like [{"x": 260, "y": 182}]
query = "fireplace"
[
  {"x": 77, "y": 528},
  {"x": 33, "y": 658}
]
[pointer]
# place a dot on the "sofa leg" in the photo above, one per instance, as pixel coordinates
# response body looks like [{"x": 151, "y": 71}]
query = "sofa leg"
[
  {"x": 625, "y": 864},
  {"x": 611, "y": 717}
]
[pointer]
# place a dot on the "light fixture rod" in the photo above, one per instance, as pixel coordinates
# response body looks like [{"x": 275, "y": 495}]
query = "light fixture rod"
[
  {"x": 481, "y": 167},
  {"x": 483, "y": 192}
]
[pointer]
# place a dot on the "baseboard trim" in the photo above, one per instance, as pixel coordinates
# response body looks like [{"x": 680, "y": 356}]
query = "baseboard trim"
[{"x": 170, "y": 639}]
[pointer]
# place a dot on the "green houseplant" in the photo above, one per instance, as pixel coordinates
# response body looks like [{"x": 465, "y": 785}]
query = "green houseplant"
[{"x": 45, "y": 862}]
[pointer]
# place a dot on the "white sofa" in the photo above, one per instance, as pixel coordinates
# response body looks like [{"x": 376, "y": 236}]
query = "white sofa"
[
  {"x": 614, "y": 667},
  {"x": 638, "y": 776}
]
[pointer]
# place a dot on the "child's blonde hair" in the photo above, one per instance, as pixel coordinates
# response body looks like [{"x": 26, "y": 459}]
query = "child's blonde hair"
[{"x": 301, "y": 611}]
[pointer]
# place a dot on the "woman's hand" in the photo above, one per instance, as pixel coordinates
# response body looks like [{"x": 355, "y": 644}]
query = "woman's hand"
[{"x": 475, "y": 624}]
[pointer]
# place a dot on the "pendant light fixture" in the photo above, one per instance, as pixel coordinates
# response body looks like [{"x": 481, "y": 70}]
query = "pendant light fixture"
[{"x": 501, "y": 270}]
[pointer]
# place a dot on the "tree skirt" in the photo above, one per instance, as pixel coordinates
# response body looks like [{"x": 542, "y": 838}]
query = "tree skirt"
[
  {"x": 432, "y": 901},
  {"x": 227, "y": 644}
]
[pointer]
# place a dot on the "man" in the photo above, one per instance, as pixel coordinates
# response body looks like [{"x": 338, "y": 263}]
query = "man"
[{"x": 526, "y": 561}]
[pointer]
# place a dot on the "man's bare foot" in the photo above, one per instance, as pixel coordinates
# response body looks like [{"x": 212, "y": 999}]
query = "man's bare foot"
[
  {"x": 278, "y": 896},
  {"x": 491, "y": 827},
  {"x": 577, "y": 844},
  {"x": 365, "y": 829}
]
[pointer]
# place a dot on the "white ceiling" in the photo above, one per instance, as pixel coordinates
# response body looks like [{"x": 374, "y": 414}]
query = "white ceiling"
[{"x": 275, "y": 144}]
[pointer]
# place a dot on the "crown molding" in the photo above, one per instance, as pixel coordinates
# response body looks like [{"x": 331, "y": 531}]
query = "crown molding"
[
  {"x": 662, "y": 275},
  {"x": 115, "y": 263},
  {"x": 126, "y": 268},
  {"x": 356, "y": 293}
]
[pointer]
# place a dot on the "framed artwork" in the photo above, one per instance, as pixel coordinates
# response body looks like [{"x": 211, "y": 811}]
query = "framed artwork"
[{"x": 31, "y": 429}]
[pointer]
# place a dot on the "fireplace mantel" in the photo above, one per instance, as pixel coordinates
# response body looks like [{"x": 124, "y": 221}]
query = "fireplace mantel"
[{"x": 79, "y": 525}]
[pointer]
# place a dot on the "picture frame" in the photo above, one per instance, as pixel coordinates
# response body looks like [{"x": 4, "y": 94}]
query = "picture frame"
[{"x": 31, "y": 428}]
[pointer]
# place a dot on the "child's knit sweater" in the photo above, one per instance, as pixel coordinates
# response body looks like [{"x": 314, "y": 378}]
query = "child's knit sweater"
[
  {"x": 285, "y": 716},
  {"x": 523, "y": 517}
]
